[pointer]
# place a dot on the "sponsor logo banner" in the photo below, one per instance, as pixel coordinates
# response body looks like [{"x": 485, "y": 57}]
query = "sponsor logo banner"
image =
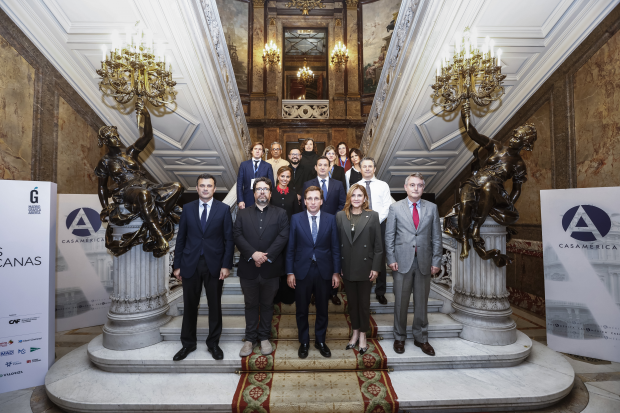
[{"x": 581, "y": 254}]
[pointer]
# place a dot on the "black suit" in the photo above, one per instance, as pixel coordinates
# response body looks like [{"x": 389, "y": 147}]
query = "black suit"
[
  {"x": 265, "y": 231},
  {"x": 338, "y": 174},
  {"x": 299, "y": 178},
  {"x": 200, "y": 256},
  {"x": 335, "y": 198}
]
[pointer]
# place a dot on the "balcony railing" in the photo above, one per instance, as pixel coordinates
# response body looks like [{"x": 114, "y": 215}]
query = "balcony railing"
[{"x": 305, "y": 109}]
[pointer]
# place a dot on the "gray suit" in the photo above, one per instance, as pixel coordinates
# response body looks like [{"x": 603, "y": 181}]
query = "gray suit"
[{"x": 414, "y": 270}]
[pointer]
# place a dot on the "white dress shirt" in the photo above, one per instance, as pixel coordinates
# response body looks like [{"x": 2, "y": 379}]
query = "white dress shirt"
[
  {"x": 201, "y": 207},
  {"x": 321, "y": 183},
  {"x": 417, "y": 205},
  {"x": 380, "y": 195},
  {"x": 318, "y": 219}
]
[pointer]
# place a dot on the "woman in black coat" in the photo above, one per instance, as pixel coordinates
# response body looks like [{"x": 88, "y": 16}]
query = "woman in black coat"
[
  {"x": 335, "y": 172},
  {"x": 285, "y": 197},
  {"x": 362, "y": 254},
  {"x": 309, "y": 157},
  {"x": 354, "y": 175}
]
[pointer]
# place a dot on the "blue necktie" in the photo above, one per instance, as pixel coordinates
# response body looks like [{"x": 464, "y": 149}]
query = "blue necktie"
[
  {"x": 314, "y": 233},
  {"x": 255, "y": 168},
  {"x": 203, "y": 217},
  {"x": 324, "y": 188}
]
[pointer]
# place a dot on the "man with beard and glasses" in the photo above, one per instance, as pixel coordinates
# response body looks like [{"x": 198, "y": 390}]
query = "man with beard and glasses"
[
  {"x": 300, "y": 174},
  {"x": 261, "y": 232}
]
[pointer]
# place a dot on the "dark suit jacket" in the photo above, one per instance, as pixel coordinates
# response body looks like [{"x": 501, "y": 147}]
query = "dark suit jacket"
[
  {"x": 339, "y": 174},
  {"x": 245, "y": 176},
  {"x": 336, "y": 195},
  {"x": 362, "y": 252},
  {"x": 216, "y": 242},
  {"x": 301, "y": 247},
  {"x": 272, "y": 239},
  {"x": 299, "y": 178}
]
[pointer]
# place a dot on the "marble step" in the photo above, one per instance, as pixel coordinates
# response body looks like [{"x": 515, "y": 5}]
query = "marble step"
[
  {"x": 75, "y": 384},
  {"x": 440, "y": 325},
  {"x": 451, "y": 353},
  {"x": 234, "y": 305},
  {"x": 233, "y": 287}
]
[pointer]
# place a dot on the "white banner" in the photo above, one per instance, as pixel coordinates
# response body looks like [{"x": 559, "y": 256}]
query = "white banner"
[
  {"x": 83, "y": 264},
  {"x": 581, "y": 252},
  {"x": 27, "y": 261}
]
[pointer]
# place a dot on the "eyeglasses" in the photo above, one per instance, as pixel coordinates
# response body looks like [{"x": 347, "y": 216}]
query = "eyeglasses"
[
  {"x": 276, "y": 149},
  {"x": 262, "y": 190}
]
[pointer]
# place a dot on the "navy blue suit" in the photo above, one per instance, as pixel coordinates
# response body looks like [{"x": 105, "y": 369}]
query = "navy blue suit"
[
  {"x": 336, "y": 195},
  {"x": 217, "y": 246},
  {"x": 313, "y": 275},
  {"x": 245, "y": 176}
]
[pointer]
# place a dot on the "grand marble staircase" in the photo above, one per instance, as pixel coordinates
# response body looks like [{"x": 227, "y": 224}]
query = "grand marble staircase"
[{"x": 464, "y": 375}]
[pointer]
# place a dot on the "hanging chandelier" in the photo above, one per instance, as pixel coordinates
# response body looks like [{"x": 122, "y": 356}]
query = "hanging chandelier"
[
  {"x": 340, "y": 56},
  {"x": 305, "y": 5},
  {"x": 135, "y": 68},
  {"x": 305, "y": 75},
  {"x": 271, "y": 54},
  {"x": 473, "y": 74}
]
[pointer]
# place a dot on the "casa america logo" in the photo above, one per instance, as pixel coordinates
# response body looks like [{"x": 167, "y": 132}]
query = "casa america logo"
[
  {"x": 83, "y": 222},
  {"x": 586, "y": 223}
]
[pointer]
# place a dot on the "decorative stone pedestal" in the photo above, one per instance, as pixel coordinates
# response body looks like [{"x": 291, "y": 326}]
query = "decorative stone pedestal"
[
  {"x": 139, "y": 303},
  {"x": 480, "y": 295}
]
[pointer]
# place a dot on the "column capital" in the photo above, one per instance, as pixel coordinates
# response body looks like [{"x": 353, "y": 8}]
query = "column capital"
[{"x": 258, "y": 3}]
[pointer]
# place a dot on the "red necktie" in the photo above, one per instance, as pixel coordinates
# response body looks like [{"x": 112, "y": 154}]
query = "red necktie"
[{"x": 416, "y": 217}]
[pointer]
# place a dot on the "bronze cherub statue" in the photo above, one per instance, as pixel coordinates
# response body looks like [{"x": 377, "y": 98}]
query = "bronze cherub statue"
[
  {"x": 483, "y": 194},
  {"x": 134, "y": 196}
]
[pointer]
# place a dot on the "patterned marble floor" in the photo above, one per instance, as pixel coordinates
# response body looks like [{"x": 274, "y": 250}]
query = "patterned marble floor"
[{"x": 597, "y": 391}]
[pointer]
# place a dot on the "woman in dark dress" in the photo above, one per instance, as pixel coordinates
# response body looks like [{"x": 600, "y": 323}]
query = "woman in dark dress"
[
  {"x": 309, "y": 157},
  {"x": 335, "y": 172},
  {"x": 354, "y": 175},
  {"x": 285, "y": 197}
]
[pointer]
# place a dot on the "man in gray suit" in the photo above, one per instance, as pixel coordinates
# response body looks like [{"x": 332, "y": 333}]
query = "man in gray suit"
[{"x": 413, "y": 248}]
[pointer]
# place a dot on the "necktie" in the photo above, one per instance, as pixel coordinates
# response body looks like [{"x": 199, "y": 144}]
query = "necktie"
[
  {"x": 314, "y": 233},
  {"x": 416, "y": 217},
  {"x": 203, "y": 217},
  {"x": 324, "y": 188},
  {"x": 255, "y": 168},
  {"x": 369, "y": 196}
]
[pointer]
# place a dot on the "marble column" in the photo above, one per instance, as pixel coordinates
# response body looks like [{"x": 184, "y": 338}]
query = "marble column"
[
  {"x": 480, "y": 295},
  {"x": 138, "y": 301},
  {"x": 353, "y": 92}
]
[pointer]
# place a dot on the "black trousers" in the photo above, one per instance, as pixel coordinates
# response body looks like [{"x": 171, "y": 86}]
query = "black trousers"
[
  {"x": 192, "y": 287},
  {"x": 381, "y": 286},
  {"x": 258, "y": 296},
  {"x": 303, "y": 290},
  {"x": 358, "y": 295}
]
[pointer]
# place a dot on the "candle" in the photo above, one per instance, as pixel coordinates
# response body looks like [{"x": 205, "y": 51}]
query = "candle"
[
  {"x": 104, "y": 50},
  {"x": 491, "y": 45},
  {"x": 474, "y": 38},
  {"x": 499, "y": 57},
  {"x": 438, "y": 68}
]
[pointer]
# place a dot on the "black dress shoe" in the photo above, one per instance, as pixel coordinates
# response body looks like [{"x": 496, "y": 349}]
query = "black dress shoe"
[
  {"x": 216, "y": 352},
  {"x": 303, "y": 350},
  {"x": 351, "y": 346},
  {"x": 362, "y": 350},
  {"x": 381, "y": 298},
  {"x": 323, "y": 349},
  {"x": 183, "y": 353},
  {"x": 336, "y": 300},
  {"x": 426, "y": 347}
]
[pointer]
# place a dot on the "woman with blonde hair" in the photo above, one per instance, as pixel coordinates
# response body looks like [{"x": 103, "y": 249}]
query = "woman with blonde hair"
[
  {"x": 362, "y": 252},
  {"x": 335, "y": 171}
]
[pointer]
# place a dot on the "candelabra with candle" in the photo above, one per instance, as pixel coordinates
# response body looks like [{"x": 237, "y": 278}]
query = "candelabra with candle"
[
  {"x": 340, "y": 56},
  {"x": 472, "y": 74},
  {"x": 135, "y": 68},
  {"x": 271, "y": 54},
  {"x": 305, "y": 75}
]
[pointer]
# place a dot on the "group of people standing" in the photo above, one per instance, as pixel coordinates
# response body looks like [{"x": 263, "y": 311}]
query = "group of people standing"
[{"x": 323, "y": 220}]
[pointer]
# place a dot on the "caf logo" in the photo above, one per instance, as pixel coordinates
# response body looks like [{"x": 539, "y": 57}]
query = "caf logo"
[
  {"x": 586, "y": 223},
  {"x": 83, "y": 222}
]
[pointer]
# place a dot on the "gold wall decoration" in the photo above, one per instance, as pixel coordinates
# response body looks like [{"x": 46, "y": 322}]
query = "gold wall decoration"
[
  {"x": 352, "y": 4},
  {"x": 272, "y": 21},
  {"x": 305, "y": 5},
  {"x": 338, "y": 22}
]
